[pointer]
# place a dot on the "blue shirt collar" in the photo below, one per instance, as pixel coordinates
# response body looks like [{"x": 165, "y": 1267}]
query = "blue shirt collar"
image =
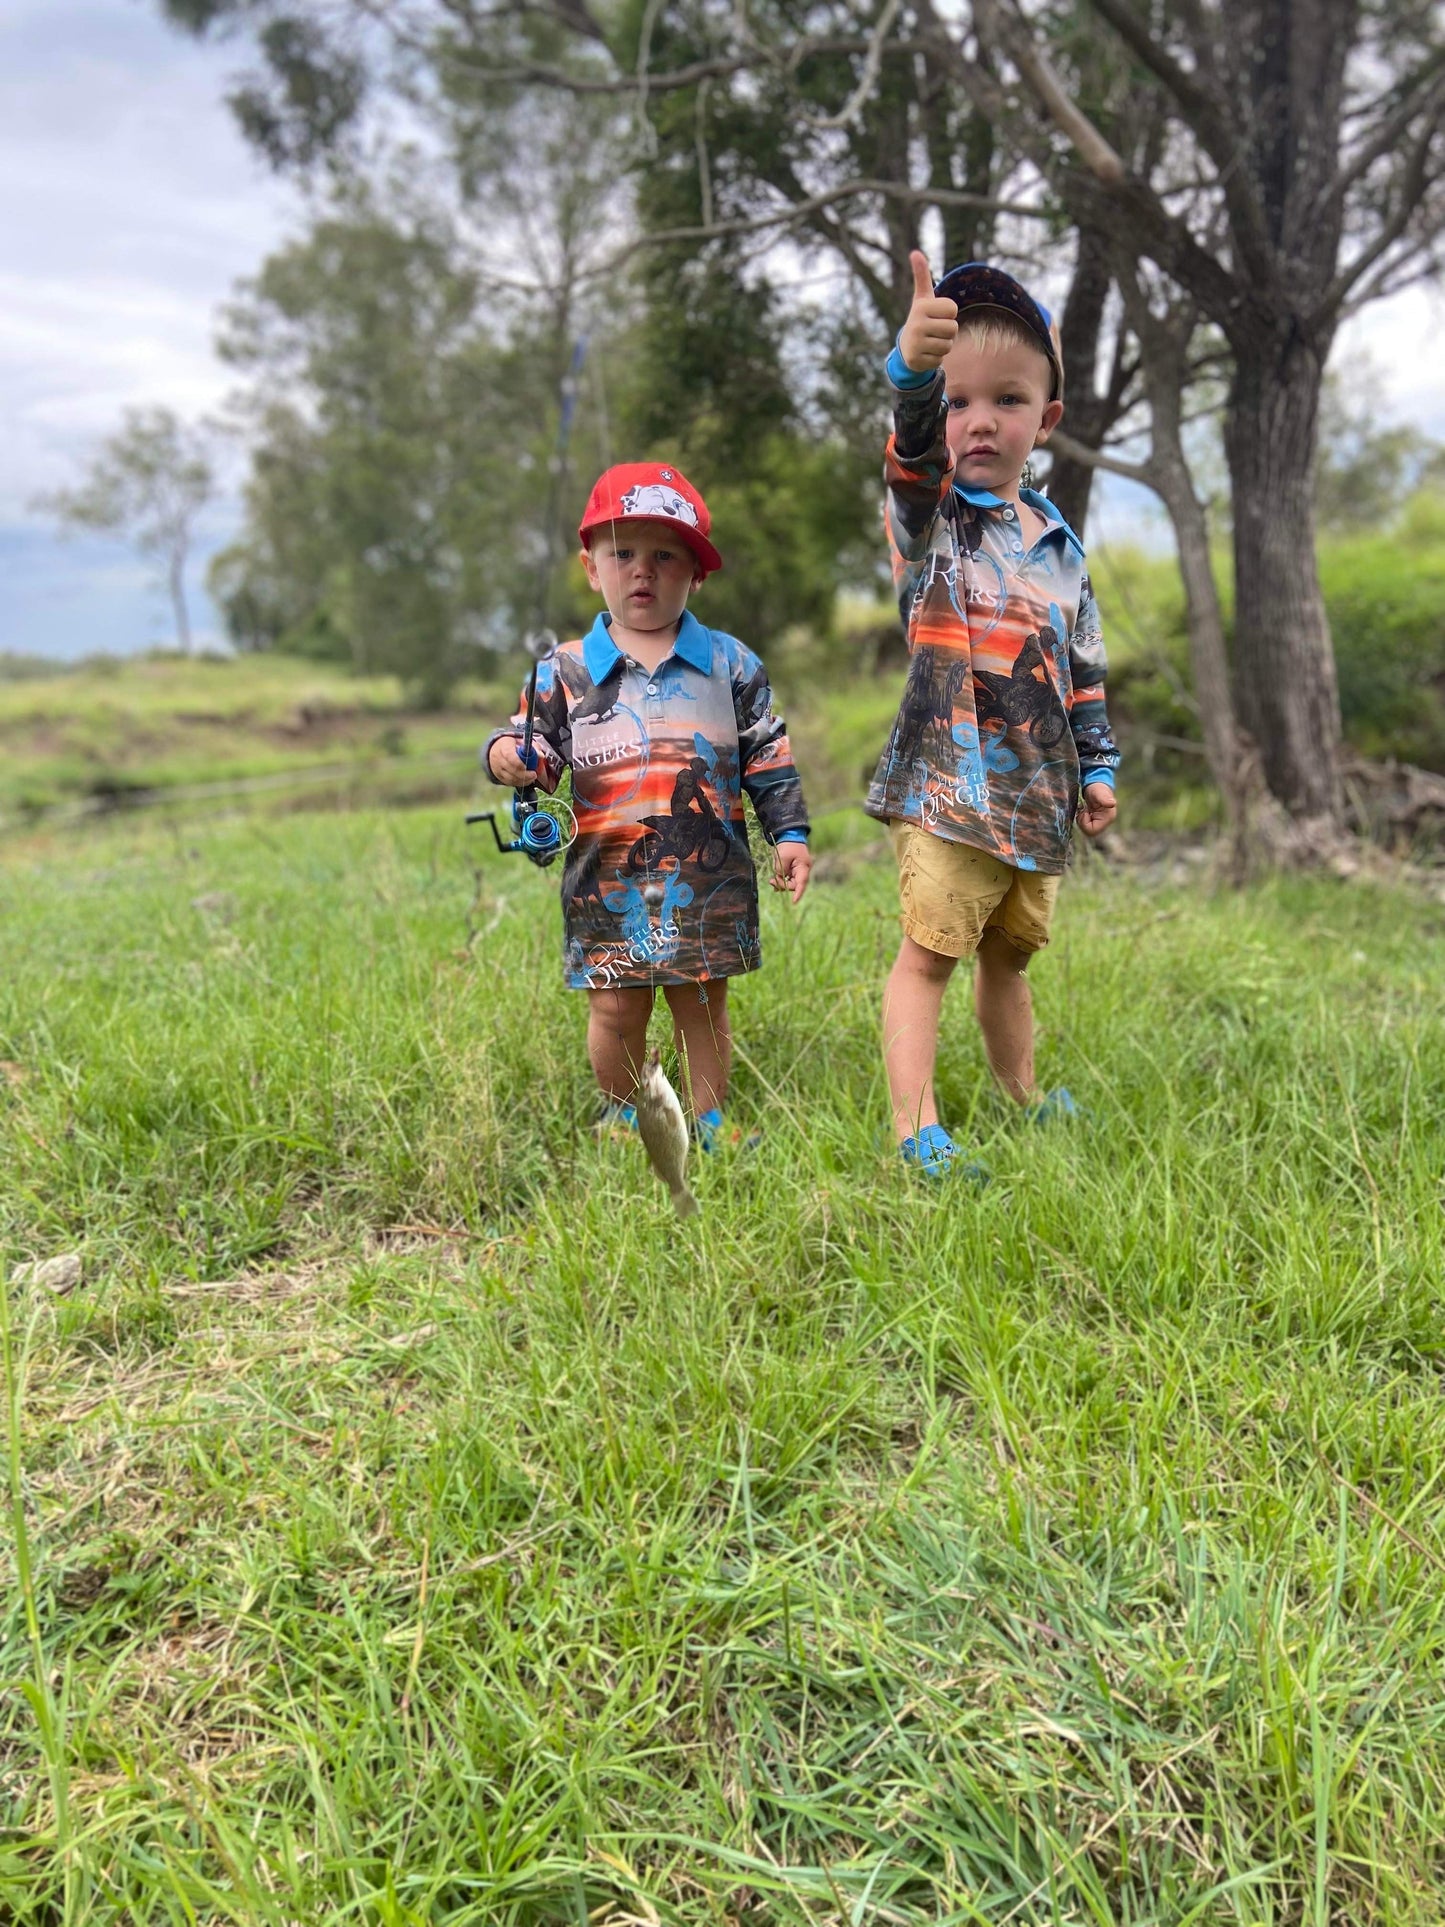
[
  {"x": 982, "y": 498},
  {"x": 601, "y": 654}
]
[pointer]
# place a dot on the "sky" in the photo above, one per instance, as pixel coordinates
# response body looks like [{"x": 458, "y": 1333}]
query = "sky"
[{"x": 132, "y": 207}]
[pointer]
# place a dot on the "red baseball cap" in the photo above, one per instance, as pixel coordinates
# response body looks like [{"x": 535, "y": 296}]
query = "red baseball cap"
[{"x": 651, "y": 492}]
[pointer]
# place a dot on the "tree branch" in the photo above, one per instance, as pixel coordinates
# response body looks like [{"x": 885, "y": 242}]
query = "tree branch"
[
  {"x": 1075, "y": 451},
  {"x": 1013, "y": 35},
  {"x": 808, "y": 210},
  {"x": 1415, "y": 181},
  {"x": 716, "y": 67},
  {"x": 1202, "y": 115},
  {"x": 1431, "y": 73},
  {"x": 868, "y": 79}
]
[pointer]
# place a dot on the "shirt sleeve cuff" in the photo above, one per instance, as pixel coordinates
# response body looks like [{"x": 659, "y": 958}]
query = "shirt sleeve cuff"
[
  {"x": 1096, "y": 776},
  {"x": 901, "y": 375},
  {"x": 792, "y": 836}
]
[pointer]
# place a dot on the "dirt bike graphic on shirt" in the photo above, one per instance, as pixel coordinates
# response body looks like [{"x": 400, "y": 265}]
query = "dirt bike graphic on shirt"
[
  {"x": 1023, "y": 699},
  {"x": 692, "y": 831}
]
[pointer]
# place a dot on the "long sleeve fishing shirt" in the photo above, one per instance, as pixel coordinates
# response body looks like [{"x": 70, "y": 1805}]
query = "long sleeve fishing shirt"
[
  {"x": 659, "y": 887},
  {"x": 1003, "y": 712}
]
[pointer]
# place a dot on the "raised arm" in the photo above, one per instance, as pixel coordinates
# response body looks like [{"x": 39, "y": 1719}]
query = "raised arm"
[{"x": 917, "y": 467}]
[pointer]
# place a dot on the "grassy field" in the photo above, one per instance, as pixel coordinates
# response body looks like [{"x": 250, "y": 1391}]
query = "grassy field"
[
  {"x": 411, "y": 1522},
  {"x": 109, "y": 732}
]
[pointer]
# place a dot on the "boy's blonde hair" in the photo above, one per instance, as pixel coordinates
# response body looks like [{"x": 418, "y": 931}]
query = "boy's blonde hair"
[{"x": 989, "y": 330}]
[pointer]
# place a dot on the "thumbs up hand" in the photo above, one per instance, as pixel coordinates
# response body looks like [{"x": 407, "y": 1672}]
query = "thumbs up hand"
[{"x": 932, "y": 325}]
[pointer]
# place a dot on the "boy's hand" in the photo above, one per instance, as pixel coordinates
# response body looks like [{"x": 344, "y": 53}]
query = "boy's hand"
[
  {"x": 506, "y": 765},
  {"x": 792, "y": 863},
  {"x": 932, "y": 325},
  {"x": 1096, "y": 809}
]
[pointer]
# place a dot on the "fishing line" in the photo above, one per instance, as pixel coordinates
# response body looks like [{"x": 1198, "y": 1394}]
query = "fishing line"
[{"x": 543, "y": 830}]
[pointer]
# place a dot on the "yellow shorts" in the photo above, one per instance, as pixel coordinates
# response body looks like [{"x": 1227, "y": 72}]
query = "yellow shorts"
[{"x": 950, "y": 893}]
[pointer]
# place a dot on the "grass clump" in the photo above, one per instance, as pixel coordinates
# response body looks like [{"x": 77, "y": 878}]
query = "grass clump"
[{"x": 421, "y": 1526}]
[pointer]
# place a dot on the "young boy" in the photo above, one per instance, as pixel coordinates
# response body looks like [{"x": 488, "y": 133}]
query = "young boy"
[
  {"x": 1002, "y": 739},
  {"x": 664, "y": 724}
]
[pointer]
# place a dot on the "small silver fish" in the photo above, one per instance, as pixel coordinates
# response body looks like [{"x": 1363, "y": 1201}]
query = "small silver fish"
[{"x": 663, "y": 1130}]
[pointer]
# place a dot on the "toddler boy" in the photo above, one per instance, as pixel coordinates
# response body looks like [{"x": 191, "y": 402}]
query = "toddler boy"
[
  {"x": 1002, "y": 739},
  {"x": 665, "y": 724}
]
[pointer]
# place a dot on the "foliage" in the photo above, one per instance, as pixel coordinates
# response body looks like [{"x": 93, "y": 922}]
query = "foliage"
[
  {"x": 421, "y": 1527},
  {"x": 1386, "y": 598},
  {"x": 1367, "y": 464},
  {"x": 150, "y": 481},
  {"x": 398, "y": 484},
  {"x": 1384, "y": 590}
]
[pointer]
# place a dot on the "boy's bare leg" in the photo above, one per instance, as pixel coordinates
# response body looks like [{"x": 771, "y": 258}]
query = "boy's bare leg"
[
  {"x": 704, "y": 1041},
  {"x": 912, "y": 1002},
  {"x": 1005, "y": 1007},
  {"x": 617, "y": 1039}
]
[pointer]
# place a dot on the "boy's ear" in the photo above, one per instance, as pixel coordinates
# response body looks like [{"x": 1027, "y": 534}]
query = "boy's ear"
[
  {"x": 584, "y": 556},
  {"x": 1053, "y": 415}
]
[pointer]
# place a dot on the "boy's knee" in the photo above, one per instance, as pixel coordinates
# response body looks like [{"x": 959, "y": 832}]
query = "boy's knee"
[
  {"x": 996, "y": 952},
  {"x": 620, "y": 1009},
  {"x": 937, "y": 966},
  {"x": 998, "y": 949}
]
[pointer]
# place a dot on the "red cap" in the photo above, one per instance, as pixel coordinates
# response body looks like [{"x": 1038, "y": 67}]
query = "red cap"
[{"x": 652, "y": 492}]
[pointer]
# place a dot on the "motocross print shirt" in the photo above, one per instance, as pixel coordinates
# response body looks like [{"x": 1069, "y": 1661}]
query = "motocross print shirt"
[
  {"x": 659, "y": 887},
  {"x": 1004, "y": 703}
]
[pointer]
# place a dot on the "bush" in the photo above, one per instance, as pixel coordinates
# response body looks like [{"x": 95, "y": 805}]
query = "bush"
[{"x": 1386, "y": 599}]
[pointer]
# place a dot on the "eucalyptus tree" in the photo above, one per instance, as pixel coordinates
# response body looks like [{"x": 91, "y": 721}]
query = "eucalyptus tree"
[
  {"x": 1305, "y": 142},
  {"x": 148, "y": 481}
]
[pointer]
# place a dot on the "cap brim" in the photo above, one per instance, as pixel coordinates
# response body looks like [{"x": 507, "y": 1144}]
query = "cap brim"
[
  {"x": 977, "y": 285},
  {"x": 692, "y": 539}
]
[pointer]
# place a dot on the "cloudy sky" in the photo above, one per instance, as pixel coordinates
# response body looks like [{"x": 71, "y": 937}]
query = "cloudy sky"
[{"x": 131, "y": 208}]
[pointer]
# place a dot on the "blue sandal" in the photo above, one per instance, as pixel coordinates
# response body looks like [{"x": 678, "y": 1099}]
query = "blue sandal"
[
  {"x": 1055, "y": 1107},
  {"x": 934, "y": 1153}
]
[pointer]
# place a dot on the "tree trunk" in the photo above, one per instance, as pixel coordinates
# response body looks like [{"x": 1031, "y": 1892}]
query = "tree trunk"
[
  {"x": 177, "y": 581},
  {"x": 1204, "y": 621},
  {"x": 1072, "y": 483},
  {"x": 1284, "y": 663}
]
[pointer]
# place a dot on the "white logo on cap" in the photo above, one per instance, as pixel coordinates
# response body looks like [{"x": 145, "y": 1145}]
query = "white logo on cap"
[{"x": 651, "y": 498}]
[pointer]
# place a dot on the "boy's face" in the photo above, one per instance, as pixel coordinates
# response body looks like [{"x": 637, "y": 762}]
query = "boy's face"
[
  {"x": 998, "y": 410},
  {"x": 642, "y": 572}
]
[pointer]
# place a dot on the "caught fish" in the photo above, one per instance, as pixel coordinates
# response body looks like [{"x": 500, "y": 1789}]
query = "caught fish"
[{"x": 663, "y": 1130}]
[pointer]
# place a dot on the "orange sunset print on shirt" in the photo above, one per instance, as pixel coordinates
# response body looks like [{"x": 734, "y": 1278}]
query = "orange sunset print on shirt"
[{"x": 659, "y": 887}]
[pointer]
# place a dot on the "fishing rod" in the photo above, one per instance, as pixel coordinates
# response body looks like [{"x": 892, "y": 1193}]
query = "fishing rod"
[
  {"x": 539, "y": 832},
  {"x": 542, "y": 832}
]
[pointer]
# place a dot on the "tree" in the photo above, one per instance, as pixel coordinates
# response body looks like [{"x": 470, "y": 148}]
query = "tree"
[
  {"x": 149, "y": 481},
  {"x": 396, "y": 499},
  {"x": 1305, "y": 147}
]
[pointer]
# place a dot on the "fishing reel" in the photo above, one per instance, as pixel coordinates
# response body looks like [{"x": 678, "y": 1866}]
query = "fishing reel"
[{"x": 541, "y": 831}]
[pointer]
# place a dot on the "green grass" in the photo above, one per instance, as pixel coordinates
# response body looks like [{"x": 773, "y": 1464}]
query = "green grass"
[
  {"x": 413, "y": 1523},
  {"x": 107, "y": 729}
]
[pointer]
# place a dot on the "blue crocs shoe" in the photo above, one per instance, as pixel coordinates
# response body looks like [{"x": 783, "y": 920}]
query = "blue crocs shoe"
[
  {"x": 936, "y": 1155},
  {"x": 1054, "y": 1107},
  {"x": 615, "y": 1119}
]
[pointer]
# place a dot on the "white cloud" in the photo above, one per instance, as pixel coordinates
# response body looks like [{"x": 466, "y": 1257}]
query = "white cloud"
[
  {"x": 132, "y": 207},
  {"x": 1401, "y": 339}
]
